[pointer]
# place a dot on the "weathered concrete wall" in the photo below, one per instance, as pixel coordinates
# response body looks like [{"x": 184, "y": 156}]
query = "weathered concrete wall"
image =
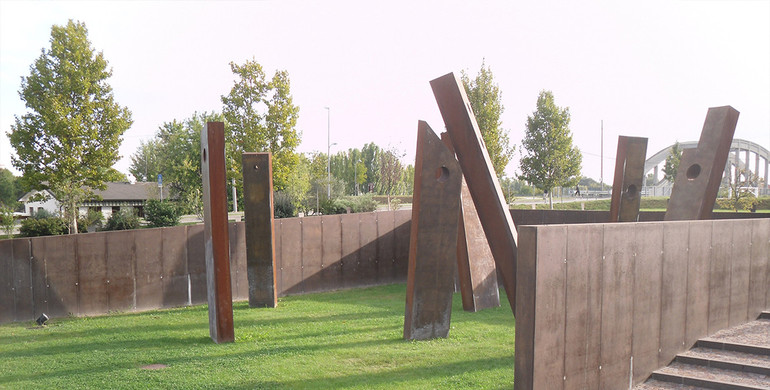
[
  {"x": 603, "y": 305},
  {"x": 95, "y": 273}
]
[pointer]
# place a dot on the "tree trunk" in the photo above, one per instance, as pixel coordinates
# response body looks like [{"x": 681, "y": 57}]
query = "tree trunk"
[
  {"x": 550, "y": 198},
  {"x": 74, "y": 212}
]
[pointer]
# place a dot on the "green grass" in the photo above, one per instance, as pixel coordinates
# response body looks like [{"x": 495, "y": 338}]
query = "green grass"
[{"x": 346, "y": 339}]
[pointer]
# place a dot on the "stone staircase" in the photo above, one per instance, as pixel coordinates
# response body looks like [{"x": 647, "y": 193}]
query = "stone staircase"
[{"x": 737, "y": 358}]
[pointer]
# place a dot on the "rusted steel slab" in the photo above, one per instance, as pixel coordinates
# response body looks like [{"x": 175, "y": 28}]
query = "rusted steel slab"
[
  {"x": 480, "y": 175},
  {"x": 215, "y": 233},
  {"x": 629, "y": 179},
  {"x": 433, "y": 241},
  {"x": 700, "y": 169},
  {"x": 476, "y": 269},
  {"x": 260, "y": 235}
]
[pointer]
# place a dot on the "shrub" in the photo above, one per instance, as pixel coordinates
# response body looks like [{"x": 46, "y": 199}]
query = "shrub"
[
  {"x": 123, "y": 220},
  {"x": 283, "y": 207},
  {"x": 42, "y": 226},
  {"x": 364, "y": 203},
  {"x": 160, "y": 214},
  {"x": 93, "y": 219}
]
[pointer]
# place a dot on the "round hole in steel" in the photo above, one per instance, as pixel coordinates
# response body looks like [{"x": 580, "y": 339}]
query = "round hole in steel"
[
  {"x": 204, "y": 155},
  {"x": 631, "y": 190},
  {"x": 442, "y": 174},
  {"x": 693, "y": 171}
]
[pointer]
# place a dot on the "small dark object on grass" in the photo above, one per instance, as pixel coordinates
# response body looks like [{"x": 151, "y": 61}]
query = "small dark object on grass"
[{"x": 42, "y": 319}]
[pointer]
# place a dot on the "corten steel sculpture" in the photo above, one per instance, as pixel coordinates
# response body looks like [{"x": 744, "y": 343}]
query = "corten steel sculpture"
[
  {"x": 700, "y": 169},
  {"x": 215, "y": 234},
  {"x": 476, "y": 270},
  {"x": 433, "y": 241},
  {"x": 482, "y": 182},
  {"x": 628, "y": 181},
  {"x": 260, "y": 236}
]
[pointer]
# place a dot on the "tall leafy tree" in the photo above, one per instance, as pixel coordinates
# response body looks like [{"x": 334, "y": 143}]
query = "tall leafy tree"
[
  {"x": 370, "y": 156},
  {"x": 69, "y": 138},
  {"x": 9, "y": 189},
  {"x": 391, "y": 170},
  {"x": 260, "y": 116},
  {"x": 550, "y": 159},
  {"x": 486, "y": 101},
  {"x": 145, "y": 162},
  {"x": 672, "y": 163}
]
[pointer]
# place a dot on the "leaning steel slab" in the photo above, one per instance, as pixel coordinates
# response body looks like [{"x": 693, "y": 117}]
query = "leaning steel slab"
[
  {"x": 433, "y": 241},
  {"x": 628, "y": 181},
  {"x": 700, "y": 170},
  {"x": 480, "y": 175},
  {"x": 215, "y": 233}
]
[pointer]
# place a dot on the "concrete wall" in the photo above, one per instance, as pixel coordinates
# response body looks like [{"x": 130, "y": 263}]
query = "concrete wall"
[
  {"x": 603, "y": 305},
  {"x": 94, "y": 273}
]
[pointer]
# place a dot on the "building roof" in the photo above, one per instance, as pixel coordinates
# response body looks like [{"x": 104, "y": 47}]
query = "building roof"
[{"x": 121, "y": 191}]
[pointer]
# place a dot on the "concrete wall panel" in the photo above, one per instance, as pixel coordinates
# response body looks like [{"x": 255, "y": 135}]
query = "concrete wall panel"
[
  {"x": 617, "y": 303},
  {"x": 277, "y": 232},
  {"x": 698, "y": 280},
  {"x": 719, "y": 284},
  {"x": 673, "y": 292},
  {"x": 648, "y": 258},
  {"x": 92, "y": 273},
  {"x": 120, "y": 270},
  {"x": 759, "y": 286},
  {"x": 174, "y": 266},
  {"x": 740, "y": 264},
  {"x": 291, "y": 255},
  {"x": 62, "y": 274},
  {"x": 583, "y": 306},
  {"x": 350, "y": 245},
  {"x": 149, "y": 269},
  {"x": 196, "y": 264},
  {"x": 367, "y": 253},
  {"x": 7, "y": 311},
  {"x": 386, "y": 247},
  {"x": 38, "y": 277},
  {"x": 550, "y": 319},
  {"x": 22, "y": 281},
  {"x": 239, "y": 281},
  {"x": 312, "y": 254},
  {"x": 526, "y": 307},
  {"x": 402, "y": 233},
  {"x": 331, "y": 256}
]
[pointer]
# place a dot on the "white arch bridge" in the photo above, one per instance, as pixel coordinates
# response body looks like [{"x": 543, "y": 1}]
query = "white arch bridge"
[{"x": 744, "y": 155}]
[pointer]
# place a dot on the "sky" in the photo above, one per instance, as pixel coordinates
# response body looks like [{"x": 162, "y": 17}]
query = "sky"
[{"x": 649, "y": 69}]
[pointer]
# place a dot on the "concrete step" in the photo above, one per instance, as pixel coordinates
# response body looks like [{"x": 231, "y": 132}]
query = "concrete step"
[
  {"x": 754, "y": 334},
  {"x": 710, "y": 377},
  {"x": 726, "y": 360}
]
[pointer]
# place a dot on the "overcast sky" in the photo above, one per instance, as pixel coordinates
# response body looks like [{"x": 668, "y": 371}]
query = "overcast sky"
[{"x": 647, "y": 69}]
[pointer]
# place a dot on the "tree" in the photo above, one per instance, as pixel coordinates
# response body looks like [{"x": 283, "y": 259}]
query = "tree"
[
  {"x": 672, "y": 163},
  {"x": 740, "y": 195},
  {"x": 391, "y": 170},
  {"x": 69, "y": 138},
  {"x": 260, "y": 116},
  {"x": 486, "y": 101},
  {"x": 145, "y": 162},
  {"x": 8, "y": 189},
  {"x": 550, "y": 160}
]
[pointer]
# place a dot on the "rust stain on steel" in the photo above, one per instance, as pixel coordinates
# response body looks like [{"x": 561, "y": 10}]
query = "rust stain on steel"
[
  {"x": 476, "y": 269},
  {"x": 700, "y": 169},
  {"x": 433, "y": 241},
  {"x": 629, "y": 177},
  {"x": 480, "y": 175},
  {"x": 215, "y": 233},
  {"x": 260, "y": 235}
]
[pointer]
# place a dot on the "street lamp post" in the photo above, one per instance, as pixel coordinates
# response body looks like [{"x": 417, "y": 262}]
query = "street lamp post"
[
  {"x": 355, "y": 175},
  {"x": 328, "y": 154}
]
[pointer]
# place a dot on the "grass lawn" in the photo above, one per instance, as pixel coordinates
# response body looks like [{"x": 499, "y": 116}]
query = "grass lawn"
[{"x": 346, "y": 339}]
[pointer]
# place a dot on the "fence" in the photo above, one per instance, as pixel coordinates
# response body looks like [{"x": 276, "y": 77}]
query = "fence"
[
  {"x": 603, "y": 305},
  {"x": 96, "y": 273}
]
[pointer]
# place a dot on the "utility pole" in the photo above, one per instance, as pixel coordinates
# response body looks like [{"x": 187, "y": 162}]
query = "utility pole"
[
  {"x": 328, "y": 154},
  {"x": 601, "y": 158}
]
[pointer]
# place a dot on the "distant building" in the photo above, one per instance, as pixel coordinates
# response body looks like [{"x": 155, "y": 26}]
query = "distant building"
[{"x": 117, "y": 196}]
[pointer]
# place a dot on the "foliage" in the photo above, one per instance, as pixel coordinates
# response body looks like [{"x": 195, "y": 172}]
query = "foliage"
[
  {"x": 550, "y": 159},
  {"x": 125, "y": 219},
  {"x": 486, "y": 101},
  {"x": 7, "y": 221},
  {"x": 298, "y": 185},
  {"x": 283, "y": 207},
  {"x": 672, "y": 163},
  {"x": 356, "y": 204},
  {"x": 92, "y": 220},
  {"x": 741, "y": 197},
  {"x": 391, "y": 170},
  {"x": 359, "y": 330},
  {"x": 260, "y": 116},
  {"x": 193, "y": 203},
  {"x": 10, "y": 189},
  {"x": 42, "y": 224},
  {"x": 69, "y": 138},
  {"x": 161, "y": 214},
  {"x": 146, "y": 162}
]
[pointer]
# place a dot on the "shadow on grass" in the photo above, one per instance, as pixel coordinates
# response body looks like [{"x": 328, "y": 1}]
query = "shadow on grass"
[{"x": 397, "y": 376}]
